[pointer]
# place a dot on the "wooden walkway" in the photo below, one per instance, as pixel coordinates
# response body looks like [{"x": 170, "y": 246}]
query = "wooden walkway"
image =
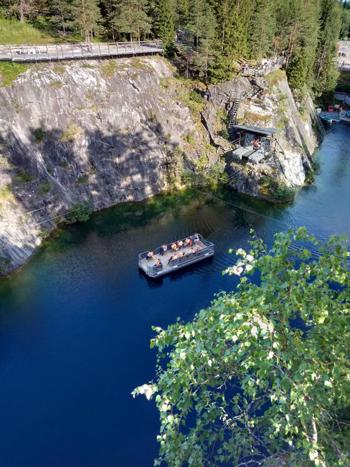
[{"x": 79, "y": 51}]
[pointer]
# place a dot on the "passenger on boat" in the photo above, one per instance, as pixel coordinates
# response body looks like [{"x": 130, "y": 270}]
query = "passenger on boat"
[
  {"x": 174, "y": 257},
  {"x": 188, "y": 241},
  {"x": 180, "y": 244},
  {"x": 195, "y": 238},
  {"x": 174, "y": 247},
  {"x": 150, "y": 255},
  {"x": 164, "y": 249},
  {"x": 158, "y": 264}
]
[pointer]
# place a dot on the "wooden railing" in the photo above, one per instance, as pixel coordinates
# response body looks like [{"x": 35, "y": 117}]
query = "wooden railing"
[{"x": 77, "y": 51}]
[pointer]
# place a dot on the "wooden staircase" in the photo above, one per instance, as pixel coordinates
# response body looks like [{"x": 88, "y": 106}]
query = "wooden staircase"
[{"x": 233, "y": 114}]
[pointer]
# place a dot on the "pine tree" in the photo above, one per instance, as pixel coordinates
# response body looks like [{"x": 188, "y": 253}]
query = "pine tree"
[
  {"x": 345, "y": 23},
  {"x": 61, "y": 15},
  {"x": 23, "y": 9},
  {"x": 297, "y": 31},
  {"x": 325, "y": 66},
  {"x": 87, "y": 18},
  {"x": 262, "y": 28},
  {"x": 207, "y": 31},
  {"x": 164, "y": 21},
  {"x": 131, "y": 18},
  {"x": 182, "y": 9},
  {"x": 108, "y": 9},
  {"x": 196, "y": 19}
]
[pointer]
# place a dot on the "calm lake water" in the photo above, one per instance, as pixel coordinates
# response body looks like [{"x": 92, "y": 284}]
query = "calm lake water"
[{"x": 75, "y": 323}]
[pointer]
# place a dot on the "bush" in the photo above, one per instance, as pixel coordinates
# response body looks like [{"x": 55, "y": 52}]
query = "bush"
[
  {"x": 196, "y": 97},
  {"x": 276, "y": 190},
  {"x": 71, "y": 133},
  {"x": 44, "y": 188},
  {"x": 79, "y": 212},
  {"x": 39, "y": 135},
  {"x": 83, "y": 179},
  {"x": 23, "y": 176}
]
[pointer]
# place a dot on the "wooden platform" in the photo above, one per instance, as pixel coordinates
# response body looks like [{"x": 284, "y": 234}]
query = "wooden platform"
[{"x": 200, "y": 250}]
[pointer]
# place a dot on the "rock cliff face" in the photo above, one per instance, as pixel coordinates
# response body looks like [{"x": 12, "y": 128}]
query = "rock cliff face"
[
  {"x": 88, "y": 135},
  {"x": 295, "y": 140},
  {"x": 85, "y": 133}
]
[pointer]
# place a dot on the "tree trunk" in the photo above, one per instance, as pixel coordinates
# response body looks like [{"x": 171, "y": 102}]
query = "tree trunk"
[{"x": 21, "y": 11}]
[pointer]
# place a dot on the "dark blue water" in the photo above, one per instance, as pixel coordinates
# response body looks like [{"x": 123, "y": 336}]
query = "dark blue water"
[{"x": 75, "y": 323}]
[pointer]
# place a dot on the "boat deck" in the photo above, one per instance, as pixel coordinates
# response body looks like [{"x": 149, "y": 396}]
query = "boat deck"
[{"x": 200, "y": 250}]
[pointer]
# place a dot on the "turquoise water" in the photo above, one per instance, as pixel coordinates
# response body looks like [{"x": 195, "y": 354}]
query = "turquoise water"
[{"x": 75, "y": 323}]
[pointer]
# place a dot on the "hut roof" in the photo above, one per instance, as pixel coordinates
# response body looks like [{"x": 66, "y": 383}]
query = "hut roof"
[{"x": 255, "y": 129}]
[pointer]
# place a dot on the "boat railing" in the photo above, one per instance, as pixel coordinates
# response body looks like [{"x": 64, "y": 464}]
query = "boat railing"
[
  {"x": 151, "y": 269},
  {"x": 158, "y": 251}
]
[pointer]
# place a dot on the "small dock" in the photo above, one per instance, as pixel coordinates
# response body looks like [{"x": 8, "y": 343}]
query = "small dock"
[
  {"x": 252, "y": 144},
  {"x": 77, "y": 51},
  {"x": 335, "y": 117},
  {"x": 165, "y": 259}
]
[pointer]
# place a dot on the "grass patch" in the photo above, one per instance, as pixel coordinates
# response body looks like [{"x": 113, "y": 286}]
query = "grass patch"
[
  {"x": 139, "y": 64},
  {"x": 24, "y": 177},
  {"x": 5, "y": 163},
  {"x": 190, "y": 139},
  {"x": 6, "y": 194},
  {"x": 109, "y": 68},
  {"x": 167, "y": 82},
  {"x": 56, "y": 84},
  {"x": 275, "y": 76},
  {"x": 222, "y": 121},
  {"x": 14, "y": 32},
  {"x": 275, "y": 190},
  {"x": 193, "y": 100},
  {"x": 10, "y": 71},
  {"x": 83, "y": 179},
  {"x": 253, "y": 117},
  {"x": 59, "y": 69},
  {"x": 44, "y": 188},
  {"x": 72, "y": 132}
]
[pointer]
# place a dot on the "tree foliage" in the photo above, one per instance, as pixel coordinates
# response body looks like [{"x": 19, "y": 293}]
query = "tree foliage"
[
  {"x": 87, "y": 18},
  {"x": 218, "y": 32},
  {"x": 264, "y": 371},
  {"x": 131, "y": 18}
]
